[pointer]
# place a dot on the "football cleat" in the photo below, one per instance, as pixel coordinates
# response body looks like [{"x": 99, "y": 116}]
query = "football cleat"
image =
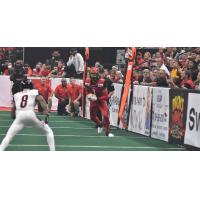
[
  {"x": 110, "y": 135},
  {"x": 100, "y": 128}
]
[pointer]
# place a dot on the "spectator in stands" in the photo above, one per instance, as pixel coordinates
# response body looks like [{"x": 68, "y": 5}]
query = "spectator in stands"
[
  {"x": 145, "y": 66},
  {"x": 55, "y": 59},
  {"x": 179, "y": 54},
  {"x": 147, "y": 56},
  {"x": 122, "y": 69},
  {"x": 48, "y": 64},
  {"x": 120, "y": 78},
  {"x": 160, "y": 81},
  {"x": 161, "y": 50},
  {"x": 197, "y": 59},
  {"x": 160, "y": 65},
  {"x": 106, "y": 71},
  {"x": 75, "y": 65},
  {"x": 112, "y": 76},
  {"x": 197, "y": 82},
  {"x": 176, "y": 69},
  {"x": 97, "y": 64},
  {"x": 158, "y": 55},
  {"x": 36, "y": 70},
  {"x": 192, "y": 67},
  {"x": 45, "y": 89},
  {"x": 114, "y": 68},
  {"x": 62, "y": 93},
  {"x": 198, "y": 66},
  {"x": 146, "y": 77},
  {"x": 9, "y": 57},
  {"x": 45, "y": 71},
  {"x": 194, "y": 54},
  {"x": 9, "y": 70},
  {"x": 17, "y": 76},
  {"x": 184, "y": 58},
  {"x": 75, "y": 97},
  {"x": 18, "y": 54},
  {"x": 139, "y": 58},
  {"x": 151, "y": 64},
  {"x": 155, "y": 73},
  {"x": 60, "y": 70},
  {"x": 186, "y": 82},
  {"x": 154, "y": 56},
  {"x": 189, "y": 54},
  {"x": 169, "y": 53},
  {"x": 28, "y": 69},
  {"x": 54, "y": 73},
  {"x": 135, "y": 75}
]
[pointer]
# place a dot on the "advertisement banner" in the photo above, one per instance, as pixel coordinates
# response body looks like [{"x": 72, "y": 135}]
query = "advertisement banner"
[
  {"x": 192, "y": 134},
  {"x": 140, "y": 113},
  {"x": 114, "y": 104},
  {"x": 160, "y": 114},
  {"x": 178, "y": 110},
  {"x": 6, "y": 96}
]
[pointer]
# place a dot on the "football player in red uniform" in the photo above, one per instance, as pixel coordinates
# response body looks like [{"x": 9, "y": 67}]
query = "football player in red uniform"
[{"x": 97, "y": 94}]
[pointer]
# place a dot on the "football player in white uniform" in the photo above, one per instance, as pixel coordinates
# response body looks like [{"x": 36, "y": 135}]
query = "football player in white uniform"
[{"x": 24, "y": 115}]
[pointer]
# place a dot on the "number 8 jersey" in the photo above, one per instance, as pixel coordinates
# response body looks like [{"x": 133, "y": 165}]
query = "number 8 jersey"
[{"x": 25, "y": 100}]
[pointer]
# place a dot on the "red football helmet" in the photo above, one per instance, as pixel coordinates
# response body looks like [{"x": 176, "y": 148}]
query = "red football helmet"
[{"x": 94, "y": 74}]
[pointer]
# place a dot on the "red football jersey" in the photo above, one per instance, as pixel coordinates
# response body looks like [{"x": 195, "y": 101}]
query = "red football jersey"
[
  {"x": 63, "y": 92},
  {"x": 96, "y": 88}
]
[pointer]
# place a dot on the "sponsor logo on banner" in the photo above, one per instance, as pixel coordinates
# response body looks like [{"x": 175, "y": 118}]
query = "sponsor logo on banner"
[
  {"x": 114, "y": 104},
  {"x": 160, "y": 114},
  {"x": 178, "y": 108},
  {"x": 192, "y": 134},
  {"x": 139, "y": 120}
]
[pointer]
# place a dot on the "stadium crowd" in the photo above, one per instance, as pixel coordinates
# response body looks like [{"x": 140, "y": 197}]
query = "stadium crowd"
[{"x": 168, "y": 67}]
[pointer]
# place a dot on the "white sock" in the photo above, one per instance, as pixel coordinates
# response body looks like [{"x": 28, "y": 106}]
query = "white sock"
[{"x": 50, "y": 141}]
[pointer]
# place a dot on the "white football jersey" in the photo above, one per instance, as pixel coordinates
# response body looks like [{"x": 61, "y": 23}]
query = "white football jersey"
[{"x": 25, "y": 100}]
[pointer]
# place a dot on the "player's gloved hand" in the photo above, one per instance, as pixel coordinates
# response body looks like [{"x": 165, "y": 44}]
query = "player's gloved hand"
[{"x": 47, "y": 119}]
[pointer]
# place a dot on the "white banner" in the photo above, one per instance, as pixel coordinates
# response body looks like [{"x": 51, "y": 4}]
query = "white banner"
[
  {"x": 192, "y": 133},
  {"x": 139, "y": 120},
  {"x": 114, "y": 104},
  {"x": 6, "y": 96},
  {"x": 160, "y": 114}
]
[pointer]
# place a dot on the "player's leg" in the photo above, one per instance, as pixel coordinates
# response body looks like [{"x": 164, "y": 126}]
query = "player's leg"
[
  {"x": 76, "y": 106},
  {"x": 104, "y": 110},
  {"x": 40, "y": 109},
  {"x": 49, "y": 104},
  {"x": 41, "y": 126},
  {"x": 15, "y": 128},
  {"x": 93, "y": 112},
  {"x": 60, "y": 109},
  {"x": 66, "y": 103},
  {"x": 72, "y": 109}
]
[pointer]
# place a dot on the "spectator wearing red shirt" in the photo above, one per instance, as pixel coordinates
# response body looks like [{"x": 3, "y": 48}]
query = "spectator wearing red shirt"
[
  {"x": 8, "y": 48},
  {"x": 112, "y": 76},
  {"x": 62, "y": 93},
  {"x": 147, "y": 56},
  {"x": 28, "y": 69},
  {"x": 44, "y": 89},
  {"x": 37, "y": 70},
  {"x": 45, "y": 71},
  {"x": 9, "y": 70},
  {"x": 161, "y": 50},
  {"x": 135, "y": 75},
  {"x": 139, "y": 58},
  {"x": 75, "y": 97},
  {"x": 60, "y": 70}
]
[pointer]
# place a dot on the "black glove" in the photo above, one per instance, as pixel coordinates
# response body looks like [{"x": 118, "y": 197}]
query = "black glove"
[{"x": 46, "y": 119}]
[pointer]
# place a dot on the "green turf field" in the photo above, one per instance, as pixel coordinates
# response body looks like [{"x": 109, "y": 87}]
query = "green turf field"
[{"x": 76, "y": 134}]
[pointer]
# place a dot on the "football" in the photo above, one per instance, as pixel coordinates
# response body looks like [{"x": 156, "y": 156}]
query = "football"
[{"x": 91, "y": 95}]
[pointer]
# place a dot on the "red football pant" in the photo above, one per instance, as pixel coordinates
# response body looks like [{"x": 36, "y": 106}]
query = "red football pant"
[{"x": 94, "y": 107}]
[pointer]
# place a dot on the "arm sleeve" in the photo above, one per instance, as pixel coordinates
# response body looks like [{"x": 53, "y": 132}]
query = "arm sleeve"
[
  {"x": 56, "y": 91},
  {"x": 70, "y": 61},
  {"x": 86, "y": 91},
  {"x": 104, "y": 96},
  {"x": 80, "y": 90},
  {"x": 81, "y": 62},
  {"x": 50, "y": 89}
]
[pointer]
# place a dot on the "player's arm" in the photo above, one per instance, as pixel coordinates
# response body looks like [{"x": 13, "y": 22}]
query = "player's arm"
[
  {"x": 104, "y": 95},
  {"x": 13, "y": 111}
]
